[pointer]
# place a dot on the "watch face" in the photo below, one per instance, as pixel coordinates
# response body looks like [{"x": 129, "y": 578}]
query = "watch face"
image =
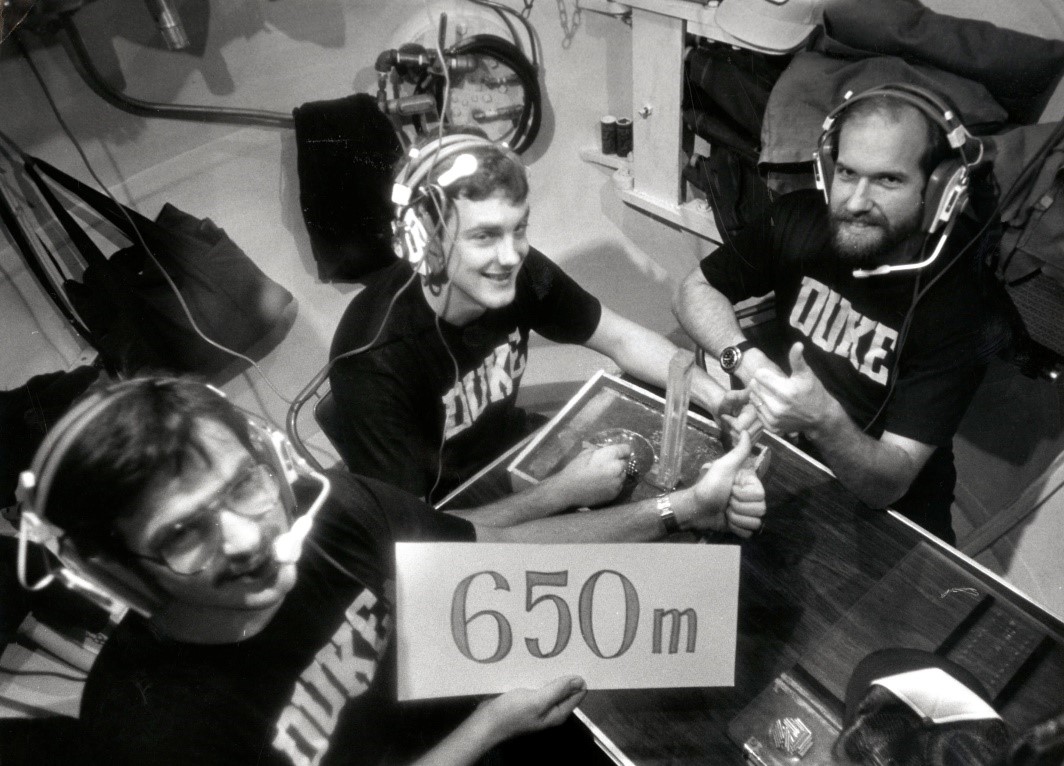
[{"x": 729, "y": 358}]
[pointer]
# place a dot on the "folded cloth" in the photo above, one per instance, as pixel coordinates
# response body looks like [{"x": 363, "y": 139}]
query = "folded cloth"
[
  {"x": 346, "y": 151},
  {"x": 1020, "y": 71},
  {"x": 913, "y": 708},
  {"x": 814, "y": 84}
]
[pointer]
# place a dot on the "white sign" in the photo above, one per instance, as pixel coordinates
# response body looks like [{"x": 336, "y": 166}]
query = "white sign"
[{"x": 477, "y": 618}]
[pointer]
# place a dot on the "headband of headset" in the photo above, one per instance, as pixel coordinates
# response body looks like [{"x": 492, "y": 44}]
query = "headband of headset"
[
  {"x": 946, "y": 190},
  {"x": 108, "y": 583},
  {"x": 421, "y": 161},
  {"x": 411, "y": 233},
  {"x": 929, "y": 104}
]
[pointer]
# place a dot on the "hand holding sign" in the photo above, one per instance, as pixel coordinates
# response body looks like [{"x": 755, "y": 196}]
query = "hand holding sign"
[
  {"x": 521, "y": 711},
  {"x": 790, "y": 403},
  {"x": 478, "y": 618}
]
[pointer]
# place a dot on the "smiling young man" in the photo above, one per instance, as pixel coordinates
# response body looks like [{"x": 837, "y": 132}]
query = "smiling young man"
[
  {"x": 262, "y": 626},
  {"x": 432, "y": 399},
  {"x": 883, "y": 424}
]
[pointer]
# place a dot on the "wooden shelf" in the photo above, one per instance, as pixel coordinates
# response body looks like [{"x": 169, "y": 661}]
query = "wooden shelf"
[
  {"x": 591, "y": 154},
  {"x": 659, "y": 35},
  {"x": 694, "y": 216}
]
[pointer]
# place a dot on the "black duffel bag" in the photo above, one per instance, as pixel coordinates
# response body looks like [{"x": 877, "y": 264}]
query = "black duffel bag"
[{"x": 136, "y": 304}]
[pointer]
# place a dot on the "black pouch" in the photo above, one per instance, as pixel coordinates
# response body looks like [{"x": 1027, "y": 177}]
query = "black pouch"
[{"x": 130, "y": 303}]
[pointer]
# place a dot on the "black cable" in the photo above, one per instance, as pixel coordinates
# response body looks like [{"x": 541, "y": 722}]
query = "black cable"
[
  {"x": 530, "y": 31},
  {"x": 895, "y": 371},
  {"x": 291, "y": 417},
  {"x": 508, "y": 54},
  {"x": 1003, "y": 199},
  {"x": 85, "y": 67},
  {"x": 133, "y": 226}
]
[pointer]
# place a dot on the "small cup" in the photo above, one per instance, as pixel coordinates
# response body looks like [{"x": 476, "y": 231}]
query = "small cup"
[
  {"x": 624, "y": 137},
  {"x": 608, "y": 129}
]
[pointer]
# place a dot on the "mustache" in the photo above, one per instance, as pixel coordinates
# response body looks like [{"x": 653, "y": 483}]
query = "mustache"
[
  {"x": 869, "y": 217},
  {"x": 264, "y": 554}
]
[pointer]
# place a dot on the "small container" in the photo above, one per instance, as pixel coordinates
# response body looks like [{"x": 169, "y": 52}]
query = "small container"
[
  {"x": 608, "y": 126},
  {"x": 624, "y": 137}
]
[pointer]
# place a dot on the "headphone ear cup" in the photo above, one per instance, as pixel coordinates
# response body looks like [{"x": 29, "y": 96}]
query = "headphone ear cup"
[
  {"x": 944, "y": 184},
  {"x": 110, "y": 578},
  {"x": 415, "y": 242},
  {"x": 824, "y": 164},
  {"x": 431, "y": 263}
]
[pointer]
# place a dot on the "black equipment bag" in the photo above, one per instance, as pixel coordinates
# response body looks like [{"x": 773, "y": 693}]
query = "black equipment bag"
[
  {"x": 346, "y": 152},
  {"x": 725, "y": 95},
  {"x": 131, "y": 310},
  {"x": 1031, "y": 259},
  {"x": 736, "y": 192}
]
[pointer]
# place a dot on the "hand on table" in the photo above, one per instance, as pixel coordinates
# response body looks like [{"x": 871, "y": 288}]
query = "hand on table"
[
  {"x": 790, "y": 403},
  {"x": 595, "y": 476}
]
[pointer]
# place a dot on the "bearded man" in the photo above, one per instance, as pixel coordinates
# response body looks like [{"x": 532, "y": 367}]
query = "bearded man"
[{"x": 886, "y": 345}]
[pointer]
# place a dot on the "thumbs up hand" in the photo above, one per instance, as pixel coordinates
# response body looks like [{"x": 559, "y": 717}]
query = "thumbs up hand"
[{"x": 790, "y": 403}]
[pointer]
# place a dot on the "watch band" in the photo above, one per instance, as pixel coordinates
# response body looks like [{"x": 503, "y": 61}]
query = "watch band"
[
  {"x": 668, "y": 518},
  {"x": 732, "y": 356}
]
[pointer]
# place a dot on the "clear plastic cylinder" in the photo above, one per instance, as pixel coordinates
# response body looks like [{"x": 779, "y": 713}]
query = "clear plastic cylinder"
[{"x": 666, "y": 473}]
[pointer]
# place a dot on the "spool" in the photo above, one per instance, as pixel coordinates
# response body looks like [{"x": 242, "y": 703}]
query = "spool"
[
  {"x": 608, "y": 126},
  {"x": 624, "y": 137}
]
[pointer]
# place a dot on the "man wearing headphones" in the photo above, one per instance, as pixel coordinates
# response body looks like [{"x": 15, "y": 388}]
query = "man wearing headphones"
[
  {"x": 429, "y": 396},
  {"x": 261, "y": 619},
  {"x": 878, "y": 296}
]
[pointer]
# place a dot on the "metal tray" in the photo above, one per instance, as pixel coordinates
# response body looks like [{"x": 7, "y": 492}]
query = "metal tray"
[{"x": 606, "y": 402}]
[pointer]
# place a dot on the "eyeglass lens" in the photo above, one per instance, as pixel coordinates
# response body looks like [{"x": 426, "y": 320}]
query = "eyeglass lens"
[{"x": 188, "y": 547}]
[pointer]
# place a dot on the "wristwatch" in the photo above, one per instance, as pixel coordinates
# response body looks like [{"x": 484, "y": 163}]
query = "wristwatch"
[
  {"x": 668, "y": 518},
  {"x": 731, "y": 356}
]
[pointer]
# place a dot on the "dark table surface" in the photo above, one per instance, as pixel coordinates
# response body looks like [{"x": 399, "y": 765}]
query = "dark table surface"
[{"x": 826, "y": 582}]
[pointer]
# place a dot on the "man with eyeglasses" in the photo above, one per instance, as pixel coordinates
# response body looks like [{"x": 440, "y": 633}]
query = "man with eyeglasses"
[{"x": 261, "y": 622}]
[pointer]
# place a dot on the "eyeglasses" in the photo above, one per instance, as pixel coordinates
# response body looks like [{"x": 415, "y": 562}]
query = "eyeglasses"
[{"x": 188, "y": 547}]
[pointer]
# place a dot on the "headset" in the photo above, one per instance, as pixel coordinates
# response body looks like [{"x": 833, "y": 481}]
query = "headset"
[
  {"x": 946, "y": 192},
  {"x": 106, "y": 582},
  {"x": 413, "y": 230}
]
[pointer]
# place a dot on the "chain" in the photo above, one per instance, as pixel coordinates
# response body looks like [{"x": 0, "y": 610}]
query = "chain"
[
  {"x": 527, "y": 11},
  {"x": 569, "y": 28}
]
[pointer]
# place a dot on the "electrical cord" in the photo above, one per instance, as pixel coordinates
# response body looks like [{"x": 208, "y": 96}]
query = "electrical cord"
[
  {"x": 1004, "y": 199},
  {"x": 291, "y": 418},
  {"x": 533, "y": 38},
  {"x": 524, "y": 70},
  {"x": 443, "y": 434},
  {"x": 504, "y": 18},
  {"x": 300, "y": 399},
  {"x": 140, "y": 239},
  {"x": 506, "y": 53}
]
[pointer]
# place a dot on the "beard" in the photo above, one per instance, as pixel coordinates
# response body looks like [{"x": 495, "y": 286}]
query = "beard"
[{"x": 867, "y": 240}]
